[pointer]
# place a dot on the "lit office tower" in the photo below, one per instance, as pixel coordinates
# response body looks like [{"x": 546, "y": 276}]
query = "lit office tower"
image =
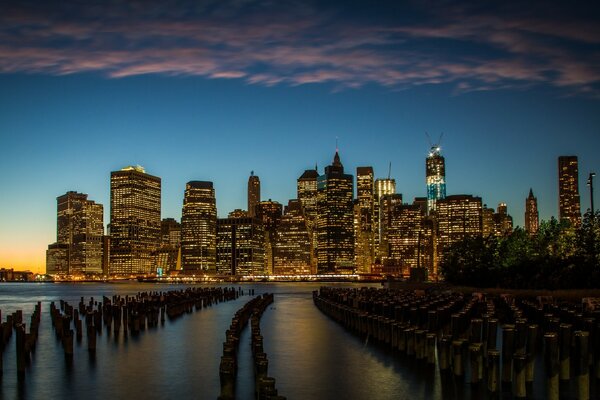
[
  {"x": 458, "y": 217},
  {"x": 387, "y": 204},
  {"x": 135, "y": 225},
  {"x": 435, "y": 176},
  {"x": 532, "y": 220},
  {"x": 253, "y": 193},
  {"x": 292, "y": 247},
  {"x": 568, "y": 190},
  {"x": 170, "y": 232},
  {"x": 487, "y": 221},
  {"x": 335, "y": 222},
  {"x": 363, "y": 234},
  {"x": 240, "y": 246},
  {"x": 307, "y": 195},
  {"x": 503, "y": 223},
  {"x": 78, "y": 247},
  {"x": 269, "y": 212},
  {"x": 169, "y": 253},
  {"x": 409, "y": 237},
  {"x": 199, "y": 228},
  {"x": 382, "y": 187}
]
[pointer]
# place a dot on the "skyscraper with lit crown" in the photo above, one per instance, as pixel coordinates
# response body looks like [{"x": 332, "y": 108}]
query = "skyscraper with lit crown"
[
  {"x": 532, "y": 221},
  {"x": 253, "y": 193},
  {"x": 568, "y": 190},
  {"x": 135, "y": 224},
  {"x": 199, "y": 228},
  {"x": 435, "y": 176},
  {"x": 335, "y": 230}
]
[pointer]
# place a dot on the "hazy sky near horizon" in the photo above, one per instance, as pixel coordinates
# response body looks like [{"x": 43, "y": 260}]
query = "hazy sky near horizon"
[{"x": 211, "y": 90}]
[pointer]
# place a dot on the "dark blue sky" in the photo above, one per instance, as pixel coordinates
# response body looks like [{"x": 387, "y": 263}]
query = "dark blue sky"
[{"x": 212, "y": 90}]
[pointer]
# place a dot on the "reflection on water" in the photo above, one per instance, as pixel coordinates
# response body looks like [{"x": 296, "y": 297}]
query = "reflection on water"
[{"x": 310, "y": 356}]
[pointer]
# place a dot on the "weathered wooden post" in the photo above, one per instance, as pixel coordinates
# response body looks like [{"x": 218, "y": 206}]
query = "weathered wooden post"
[
  {"x": 508, "y": 340},
  {"x": 565, "y": 351},
  {"x": 582, "y": 364},
  {"x": 493, "y": 370},
  {"x": 551, "y": 361}
]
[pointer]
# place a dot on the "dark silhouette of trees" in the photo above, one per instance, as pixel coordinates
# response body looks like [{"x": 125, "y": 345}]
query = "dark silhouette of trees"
[{"x": 558, "y": 256}]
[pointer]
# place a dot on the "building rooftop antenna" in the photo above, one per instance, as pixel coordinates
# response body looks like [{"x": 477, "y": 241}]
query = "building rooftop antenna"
[{"x": 390, "y": 170}]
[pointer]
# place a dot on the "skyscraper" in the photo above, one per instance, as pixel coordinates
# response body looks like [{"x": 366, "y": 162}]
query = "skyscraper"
[
  {"x": 383, "y": 187},
  {"x": 503, "y": 223},
  {"x": 134, "y": 221},
  {"x": 409, "y": 237},
  {"x": 335, "y": 230},
  {"x": 292, "y": 248},
  {"x": 435, "y": 176},
  {"x": 78, "y": 247},
  {"x": 199, "y": 228},
  {"x": 307, "y": 195},
  {"x": 364, "y": 234},
  {"x": 269, "y": 212},
  {"x": 170, "y": 232},
  {"x": 568, "y": 190},
  {"x": 458, "y": 217},
  {"x": 253, "y": 193},
  {"x": 387, "y": 205},
  {"x": 532, "y": 221},
  {"x": 240, "y": 246}
]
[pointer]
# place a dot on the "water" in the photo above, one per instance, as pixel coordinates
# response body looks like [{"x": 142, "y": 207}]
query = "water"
[{"x": 310, "y": 355}]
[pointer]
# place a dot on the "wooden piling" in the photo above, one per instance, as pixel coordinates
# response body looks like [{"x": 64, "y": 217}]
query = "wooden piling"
[
  {"x": 565, "y": 351},
  {"x": 582, "y": 364},
  {"x": 551, "y": 362},
  {"x": 493, "y": 373},
  {"x": 508, "y": 337}
]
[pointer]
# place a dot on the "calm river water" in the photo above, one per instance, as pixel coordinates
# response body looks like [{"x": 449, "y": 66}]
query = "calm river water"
[{"x": 310, "y": 356}]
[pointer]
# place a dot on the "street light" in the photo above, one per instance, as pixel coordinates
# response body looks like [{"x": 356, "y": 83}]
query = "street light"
[{"x": 590, "y": 183}]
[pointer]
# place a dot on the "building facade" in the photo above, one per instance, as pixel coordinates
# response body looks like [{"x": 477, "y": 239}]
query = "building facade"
[
  {"x": 240, "y": 246},
  {"x": 135, "y": 223},
  {"x": 307, "y": 195},
  {"x": 78, "y": 247},
  {"x": 410, "y": 236},
  {"x": 199, "y": 228},
  {"x": 532, "y": 218},
  {"x": 458, "y": 217},
  {"x": 269, "y": 212},
  {"x": 335, "y": 220},
  {"x": 568, "y": 190},
  {"x": 383, "y": 187},
  {"x": 364, "y": 240},
  {"x": 292, "y": 249}
]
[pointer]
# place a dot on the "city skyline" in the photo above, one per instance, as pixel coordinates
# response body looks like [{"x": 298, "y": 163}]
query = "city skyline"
[{"x": 213, "y": 92}]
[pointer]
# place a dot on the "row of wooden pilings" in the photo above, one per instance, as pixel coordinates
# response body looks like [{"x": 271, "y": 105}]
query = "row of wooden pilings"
[
  {"x": 264, "y": 385},
  {"x": 460, "y": 334},
  {"x": 133, "y": 313},
  {"x": 25, "y": 342}
]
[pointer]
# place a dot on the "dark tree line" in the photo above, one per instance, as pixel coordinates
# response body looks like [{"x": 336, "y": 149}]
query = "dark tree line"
[{"x": 557, "y": 257}]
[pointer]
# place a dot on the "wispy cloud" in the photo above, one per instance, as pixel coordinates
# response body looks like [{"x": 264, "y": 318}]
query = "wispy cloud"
[{"x": 294, "y": 42}]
